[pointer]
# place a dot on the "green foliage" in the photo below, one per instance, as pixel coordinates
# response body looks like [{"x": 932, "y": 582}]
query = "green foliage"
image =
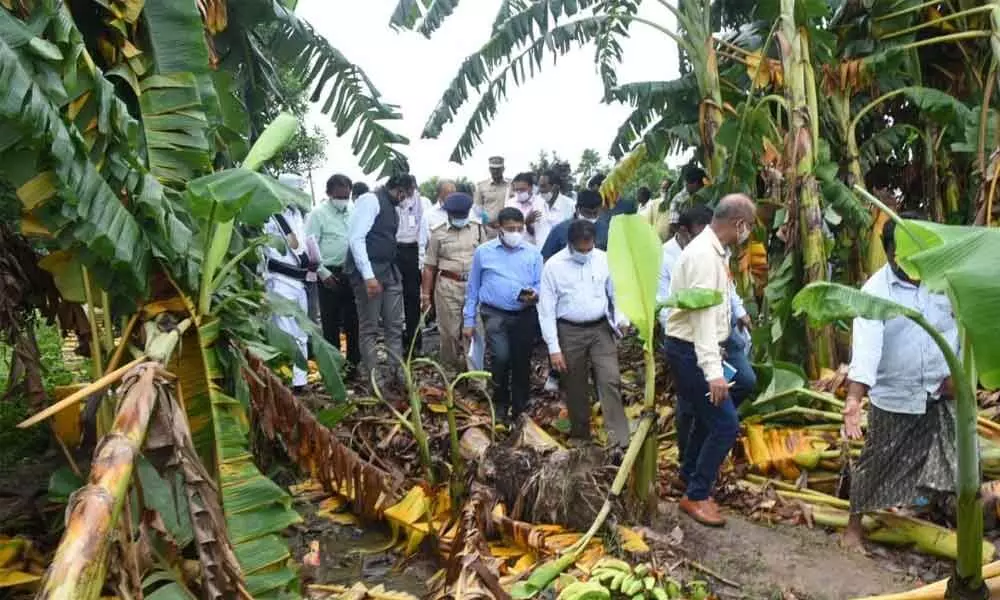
[
  {"x": 591, "y": 163},
  {"x": 20, "y": 444},
  {"x": 634, "y": 255}
]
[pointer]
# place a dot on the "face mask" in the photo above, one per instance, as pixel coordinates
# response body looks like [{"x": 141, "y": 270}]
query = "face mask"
[
  {"x": 581, "y": 258},
  {"x": 339, "y": 203},
  {"x": 742, "y": 235},
  {"x": 459, "y": 223},
  {"x": 523, "y": 197},
  {"x": 547, "y": 196},
  {"x": 511, "y": 239}
]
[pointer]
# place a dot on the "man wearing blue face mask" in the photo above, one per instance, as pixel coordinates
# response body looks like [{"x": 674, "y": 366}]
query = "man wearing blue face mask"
[{"x": 580, "y": 324}]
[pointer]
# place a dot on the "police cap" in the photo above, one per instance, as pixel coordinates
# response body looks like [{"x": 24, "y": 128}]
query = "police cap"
[{"x": 458, "y": 204}]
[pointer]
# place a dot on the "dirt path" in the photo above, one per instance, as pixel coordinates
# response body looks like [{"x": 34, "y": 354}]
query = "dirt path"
[{"x": 783, "y": 562}]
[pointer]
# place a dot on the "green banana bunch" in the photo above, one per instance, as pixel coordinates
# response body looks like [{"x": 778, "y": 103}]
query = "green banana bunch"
[{"x": 585, "y": 590}]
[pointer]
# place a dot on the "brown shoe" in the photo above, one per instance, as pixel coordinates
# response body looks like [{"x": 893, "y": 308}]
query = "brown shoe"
[{"x": 705, "y": 512}]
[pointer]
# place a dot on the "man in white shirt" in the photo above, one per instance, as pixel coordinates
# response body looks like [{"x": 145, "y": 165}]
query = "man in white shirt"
[
  {"x": 694, "y": 353},
  {"x": 532, "y": 206},
  {"x": 558, "y": 206},
  {"x": 287, "y": 270},
  {"x": 578, "y": 322},
  {"x": 411, "y": 240}
]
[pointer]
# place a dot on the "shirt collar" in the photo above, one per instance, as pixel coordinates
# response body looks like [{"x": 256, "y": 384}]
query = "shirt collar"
[
  {"x": 714, "y": 240},
  {"x": 895, "y": 280}
]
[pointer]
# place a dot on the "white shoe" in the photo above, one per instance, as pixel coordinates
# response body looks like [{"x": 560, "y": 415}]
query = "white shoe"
[{"x": 551, "y": 384}]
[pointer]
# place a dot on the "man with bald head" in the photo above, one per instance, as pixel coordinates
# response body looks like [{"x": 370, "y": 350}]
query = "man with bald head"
[{"x": 706, "y": 413}]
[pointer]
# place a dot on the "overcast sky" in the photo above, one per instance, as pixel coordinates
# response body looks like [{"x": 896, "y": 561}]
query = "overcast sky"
[{"x": 559, "y": 110}]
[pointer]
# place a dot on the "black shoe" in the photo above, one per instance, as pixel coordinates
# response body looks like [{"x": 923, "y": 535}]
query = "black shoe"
[
  {"x": 616, "y": 455},
  {"x": 299, "y": 390}
]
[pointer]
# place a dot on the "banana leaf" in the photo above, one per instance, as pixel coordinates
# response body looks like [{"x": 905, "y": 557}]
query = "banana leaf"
[
  {"x": 634, "y": 255},
  {"x": 177, "y": 142},
  {"x": 786, "y": 386},
  {"x": 961, "y": 262},
  {"x": 257, "y": 510}
]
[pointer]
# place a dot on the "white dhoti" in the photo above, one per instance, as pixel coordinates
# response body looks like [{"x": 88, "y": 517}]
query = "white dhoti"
[{"x": 296, "y": 292}]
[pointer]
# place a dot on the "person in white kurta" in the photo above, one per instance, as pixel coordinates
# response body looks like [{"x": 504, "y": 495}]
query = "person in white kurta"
[
  {"x": 532, "y": 206},
  {"x": 288, "y": 269}
]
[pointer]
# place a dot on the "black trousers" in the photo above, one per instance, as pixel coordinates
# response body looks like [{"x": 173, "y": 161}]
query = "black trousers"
[
  {"x": 510, "y": 336},
  {"x": 339, "y": 314},
  {"x": 408, "y": 262}
]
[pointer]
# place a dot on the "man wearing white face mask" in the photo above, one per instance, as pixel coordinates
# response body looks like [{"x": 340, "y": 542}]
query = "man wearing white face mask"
[
  {"x": 558, "y": 206},
  {"x": 503, "y": 289},
  {"x": 328, "y": 224},
  {"x": 579, "y": 323},
  {"x": 532, "y": 206}
]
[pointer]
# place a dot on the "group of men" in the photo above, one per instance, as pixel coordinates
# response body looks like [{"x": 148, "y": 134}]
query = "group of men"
[{"x": 521, "y": 260}]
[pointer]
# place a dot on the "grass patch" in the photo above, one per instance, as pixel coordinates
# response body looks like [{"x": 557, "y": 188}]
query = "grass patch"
[{"x": 21, "y": 445}]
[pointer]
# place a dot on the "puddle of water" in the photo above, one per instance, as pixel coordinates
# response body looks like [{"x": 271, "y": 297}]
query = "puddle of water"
[{"x": 351, "y": 554}]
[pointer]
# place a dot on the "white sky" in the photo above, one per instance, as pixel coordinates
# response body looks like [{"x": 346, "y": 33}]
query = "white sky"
[{"x": 559, "y": 110}]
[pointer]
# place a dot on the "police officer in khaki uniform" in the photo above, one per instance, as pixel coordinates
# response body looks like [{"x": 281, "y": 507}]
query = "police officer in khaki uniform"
[
  {"x": 491, "y": 196},
  {"x": 446, "y": 269}
]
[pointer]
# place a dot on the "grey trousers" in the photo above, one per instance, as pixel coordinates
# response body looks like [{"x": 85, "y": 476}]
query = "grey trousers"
[
  {"x": 387, "y": 307},
  {"x": 593, "y": 346}
]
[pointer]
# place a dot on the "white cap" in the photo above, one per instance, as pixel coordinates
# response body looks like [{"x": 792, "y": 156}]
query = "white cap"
[{"x": 292, "y": 180}]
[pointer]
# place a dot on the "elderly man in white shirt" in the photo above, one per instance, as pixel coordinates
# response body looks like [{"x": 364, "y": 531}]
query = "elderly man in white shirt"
[
  {"x": 579, "y": 324},
  {"x": 532, "y": 206},
  {"x": 436, "y": 215},
  {"x": 694, "y": 353}
]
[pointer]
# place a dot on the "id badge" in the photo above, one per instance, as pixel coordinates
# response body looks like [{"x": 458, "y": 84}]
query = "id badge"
[
  {"x": 311, "y": 276},
  {"x": 411, "y": 221}
]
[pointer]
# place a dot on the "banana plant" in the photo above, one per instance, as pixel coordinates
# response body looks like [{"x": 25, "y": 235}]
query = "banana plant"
[{"x": 959, "y": 262}]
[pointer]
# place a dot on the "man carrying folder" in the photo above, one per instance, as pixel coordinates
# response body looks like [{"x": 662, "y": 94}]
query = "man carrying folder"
[{"x": 707, "y": 423}]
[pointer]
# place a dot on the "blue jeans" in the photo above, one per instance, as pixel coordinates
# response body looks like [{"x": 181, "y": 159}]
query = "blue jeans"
[{"x": 705, "y": 432}]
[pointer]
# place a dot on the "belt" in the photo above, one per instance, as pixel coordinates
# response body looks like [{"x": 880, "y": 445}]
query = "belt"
[
  {"x": 462, "y": 277},
  {"x": 286, "y": 269},
  {"x": 512, "y": 313},
  {"x": 407, "y": 245},
  {"x": 593, "y": 323}
]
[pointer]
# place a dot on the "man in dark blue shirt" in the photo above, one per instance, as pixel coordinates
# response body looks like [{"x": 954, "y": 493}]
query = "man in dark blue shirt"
[{"x": 588, "y": 206}]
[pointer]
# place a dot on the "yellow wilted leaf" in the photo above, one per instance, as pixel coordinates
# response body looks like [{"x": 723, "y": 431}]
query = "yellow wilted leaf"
[
  {"x": 504, "y": 551},
  {"x": 32, "y": 227},
  {"x": 632, "y": 541},
  {"x": 308, "y": 486},
  {"x": 331, "y": 505},
  {"x": 410, "y": 514},
  {"x": 175, "y": 304},
  {"x": 342, "y": 518},
  {"x": 593, "y": 553},
  {"x": 437, "y": 408},
  {"x": 524, "y": 563},
  {"x": 10, "y": 578},
  {"x": 10, "y": 549},
  {"x": 622, "y": 174}
]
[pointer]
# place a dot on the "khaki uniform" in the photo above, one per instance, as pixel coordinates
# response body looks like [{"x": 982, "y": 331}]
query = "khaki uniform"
[
  {"x": 490, "y": 198},
  {"x": 450, "y": 251}
]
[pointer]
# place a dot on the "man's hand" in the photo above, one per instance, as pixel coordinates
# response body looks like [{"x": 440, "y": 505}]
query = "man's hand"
[
  {"x": 718, "y": 390},
  {"x": 947, "y": 389},
  {"x": 330, "y": 281},
  {"x": 467, "y": 332},
  {"x": 373, "y": 287},
  {"x": 532, "y": 217},
  {"x": 744, "y": 322},
  {"x": 558, "y": 362},
  {"x": 425, "y": 302},
  {"x": 529, "y": 299},
  {"x": 852, "y": 418}
]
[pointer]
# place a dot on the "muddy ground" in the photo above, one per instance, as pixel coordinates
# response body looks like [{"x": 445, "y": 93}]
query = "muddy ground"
[{"x": 764, "y": 562}]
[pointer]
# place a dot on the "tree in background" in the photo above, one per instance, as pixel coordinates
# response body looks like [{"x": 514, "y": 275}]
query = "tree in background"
[
  {"x": 307, "y": 150},
  {"x": 551, "y": 161},
  {"x": 591, "y": 163},
  {"x": 428, "y": 188}
]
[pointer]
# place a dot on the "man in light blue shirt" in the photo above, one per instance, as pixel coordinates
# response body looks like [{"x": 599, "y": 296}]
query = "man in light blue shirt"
[
  {"x": 575, "y": 313},
  {"x": 503, "y": 286},
  {"x": 328, "y": 223},
  {"x": 910, "y": 451}
]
